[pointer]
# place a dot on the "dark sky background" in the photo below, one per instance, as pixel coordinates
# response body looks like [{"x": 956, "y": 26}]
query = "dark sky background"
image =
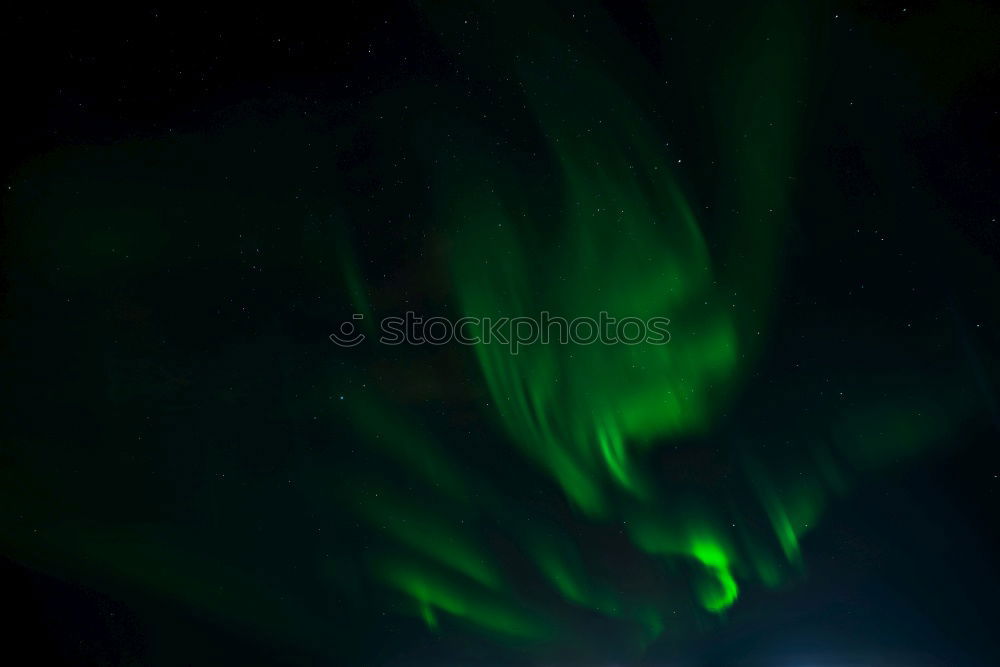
[{"x": 188, "y": 193}]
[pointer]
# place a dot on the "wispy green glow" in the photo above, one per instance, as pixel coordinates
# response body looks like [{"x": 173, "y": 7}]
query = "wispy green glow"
[
  {"x": 616, "y": 234},
  {"x": 629, "y": 245},
  {"x": 434, "y": 591},
  {"x": 429, "y": 535},
  {"x": 722, "y": 592},
  {"x": 700, "y": 541},
  {"x": 633, "y": 493}
]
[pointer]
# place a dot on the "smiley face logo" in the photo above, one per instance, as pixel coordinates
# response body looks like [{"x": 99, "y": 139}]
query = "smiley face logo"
[{"x": 348, "y": 335}]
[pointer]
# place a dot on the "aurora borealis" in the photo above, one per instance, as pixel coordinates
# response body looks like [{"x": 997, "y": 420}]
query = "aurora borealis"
[{"x": 193, "y": 473}]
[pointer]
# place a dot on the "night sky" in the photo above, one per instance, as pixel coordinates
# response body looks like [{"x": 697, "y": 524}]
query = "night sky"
[{"x": 192, "y": 472}]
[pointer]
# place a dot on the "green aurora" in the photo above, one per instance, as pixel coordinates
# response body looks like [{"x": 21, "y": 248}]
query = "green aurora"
[
  {"x": 613, "y": 230},
  {"x": 569, "y": 500}
]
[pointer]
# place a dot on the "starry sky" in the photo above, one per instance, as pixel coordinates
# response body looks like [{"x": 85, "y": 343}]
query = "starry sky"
[{"x": 807, "y": 473}]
